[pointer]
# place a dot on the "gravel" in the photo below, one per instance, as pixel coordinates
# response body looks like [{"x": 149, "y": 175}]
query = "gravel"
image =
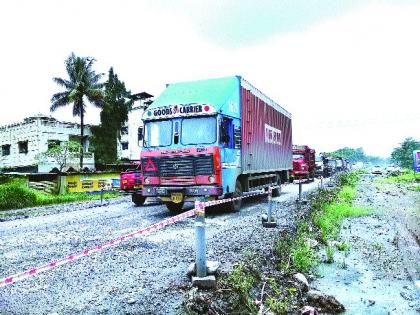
[{"x": 144, "y": 275}]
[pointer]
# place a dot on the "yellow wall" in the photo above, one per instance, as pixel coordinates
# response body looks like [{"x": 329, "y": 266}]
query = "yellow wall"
[{"x": 92, "y": 182}]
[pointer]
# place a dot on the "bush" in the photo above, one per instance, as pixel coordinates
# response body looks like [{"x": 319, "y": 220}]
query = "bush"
[{"x": 15, "y": 195}]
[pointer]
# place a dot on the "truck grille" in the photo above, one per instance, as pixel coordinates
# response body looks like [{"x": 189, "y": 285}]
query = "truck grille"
[
  {"x": 181, "y": 166},
  {"x": 178, "y": 180}
]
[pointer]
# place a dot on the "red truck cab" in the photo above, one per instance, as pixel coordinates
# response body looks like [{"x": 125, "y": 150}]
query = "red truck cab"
[
  {"x": 131, "y": 181},
  {"x": 303, "y": 162}
]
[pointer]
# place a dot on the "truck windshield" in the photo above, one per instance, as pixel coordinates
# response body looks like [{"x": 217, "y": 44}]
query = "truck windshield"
[
  {"x": 199, "y": 130},
  {"x": 298, "y": 156},
  {"x": 158, "y": 133}
]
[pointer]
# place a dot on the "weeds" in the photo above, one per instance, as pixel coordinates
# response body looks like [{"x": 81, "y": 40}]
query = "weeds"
[
  {"x": 329, "y": 250},
  {"x": 241, "y": 280},
  {"x": 376, "y": 246},
  {"x": 15, "y": 195},
  {"x": 294, "y": 252},
  {"x": 331, "y": 207},
  {"x": 343, "y": 247}
]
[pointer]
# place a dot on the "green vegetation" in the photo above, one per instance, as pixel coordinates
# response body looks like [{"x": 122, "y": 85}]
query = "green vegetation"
[
  {"x": 407, "y": 176},
  {"x": 332, "y": 207},
  {"x": 117, "y": 103},
  {"x": 294, "y": 252},
  {"x": 61, "y": 153},
  {"x": 403, "y": 155},
  {"x": 241, "y": 280},
  {"x": 354, "y": 155},
  {"x": 16, "y": 195},
  {"x": 329, "y": 251},
  {"x": 343, "y": 247},
  {"x": 83, "y": 83}
]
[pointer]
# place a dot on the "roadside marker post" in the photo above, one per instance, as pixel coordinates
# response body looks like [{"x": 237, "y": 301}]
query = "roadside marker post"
[
  {"x": 300, "y": 200},
  {"x": 267, "y": 220},
  {"x": 200, "y": 237}
]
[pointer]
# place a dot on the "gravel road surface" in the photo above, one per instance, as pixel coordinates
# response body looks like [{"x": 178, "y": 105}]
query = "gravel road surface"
[{"x": 144, "y": 275}]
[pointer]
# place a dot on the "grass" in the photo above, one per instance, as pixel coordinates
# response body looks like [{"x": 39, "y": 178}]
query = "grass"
[
  {"x": 329, "y": 250},
  {"x": 15, "y": 195},
  {"x": 407, "y": 176},
  {"x": 332, "y": 207},
  {"x": 294, "y": 253},
  {"x": 241, "y": 280}
]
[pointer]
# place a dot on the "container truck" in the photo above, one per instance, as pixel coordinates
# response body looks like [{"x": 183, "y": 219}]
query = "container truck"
[
  {"x": 131, "y": 181},
  {"x": 214, "y": 139},
  {"x": 303, "y": 162}
]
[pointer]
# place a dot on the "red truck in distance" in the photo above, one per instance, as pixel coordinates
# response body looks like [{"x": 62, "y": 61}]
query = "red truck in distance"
[
  {"x": 304, "y": 165},
  {"x": 131, "y": 181}
]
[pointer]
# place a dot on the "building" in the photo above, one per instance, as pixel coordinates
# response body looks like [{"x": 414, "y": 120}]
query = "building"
[
  {"x": 22, "y": 143},
  {"x": 131, "y": 141}
]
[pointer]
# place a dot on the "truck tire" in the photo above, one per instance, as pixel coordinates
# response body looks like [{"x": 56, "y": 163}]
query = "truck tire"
[
  {"x": 174, "y": 207},
  {"x": 235, "y": 206},
  {"x": 138, "y": 199}
]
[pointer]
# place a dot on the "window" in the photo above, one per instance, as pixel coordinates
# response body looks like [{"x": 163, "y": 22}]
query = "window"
[
  {"x": 198, "y": 130},
  {"x": 5, "y": 149},
  {"x": 53, "y": 144},
  {"x": 140, "y": 134},
  {"x": 158, "y": 133},
  {"x": 124, "y": 145},
  {"x": 124, "y": 130},
  {"x": 23, "y": 146}
]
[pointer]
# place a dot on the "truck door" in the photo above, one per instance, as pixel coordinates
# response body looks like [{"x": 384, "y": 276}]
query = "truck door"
[{"x": 230, "y": 143}]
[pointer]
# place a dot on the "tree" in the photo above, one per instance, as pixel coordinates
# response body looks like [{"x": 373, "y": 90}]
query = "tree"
[
  {"x": 353, "y": 155},
  {"x": 61, "y": 153},
  {"x": 403, "y": 155},
  {"x": 83, "y": 83},
  {"x": 117, "y": 104}
]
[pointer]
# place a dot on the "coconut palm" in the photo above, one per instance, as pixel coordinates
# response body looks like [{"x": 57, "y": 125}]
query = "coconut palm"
[{"x": 83, "y": 84}]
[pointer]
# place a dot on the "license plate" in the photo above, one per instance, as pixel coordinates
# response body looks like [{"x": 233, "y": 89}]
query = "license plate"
[{"x": 177, "y": 197}]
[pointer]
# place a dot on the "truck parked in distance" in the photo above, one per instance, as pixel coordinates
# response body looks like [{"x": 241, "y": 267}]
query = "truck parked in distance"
[
  {"x": 319, "y": 165},
  {"x": 214, "y": 139},
  {"x": 131, "y": 181},
  {"x": 303, "y": 162},
  {"x": 330, "y": 166}
]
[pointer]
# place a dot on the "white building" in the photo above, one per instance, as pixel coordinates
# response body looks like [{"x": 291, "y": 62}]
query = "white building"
[
  {"x": 131, "y": 142},
  {"x": 22, "y": 143}
]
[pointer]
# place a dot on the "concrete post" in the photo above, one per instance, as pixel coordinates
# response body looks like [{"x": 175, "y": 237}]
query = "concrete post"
[
  {"x": 200, "y": 237},
  {"x": 300, "y": 191},
  {"x": 322, "y": 182},
  {"x": 267, "y": 220},
  {"x": 270, "y": 203}
]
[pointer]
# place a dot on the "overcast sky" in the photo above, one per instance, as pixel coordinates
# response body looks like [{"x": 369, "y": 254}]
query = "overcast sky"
[{"x": 348, "y": 71}]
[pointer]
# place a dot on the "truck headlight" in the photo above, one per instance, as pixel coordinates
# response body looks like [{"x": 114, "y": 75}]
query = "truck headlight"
[
  {"x": 211, "y": 179},
  {"x": 303, "y": 168},
  {"x": 146, "y": 180}
]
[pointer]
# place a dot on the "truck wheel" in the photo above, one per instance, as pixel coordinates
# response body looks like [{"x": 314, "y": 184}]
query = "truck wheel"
[
  {"x": 235, "y": 206},
  {"x": 174, "y": 207},
  {"x": 138, "y": 199}
]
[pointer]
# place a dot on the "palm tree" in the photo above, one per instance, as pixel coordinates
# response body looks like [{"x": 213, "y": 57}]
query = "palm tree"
[{"x": 83, "y": 83}]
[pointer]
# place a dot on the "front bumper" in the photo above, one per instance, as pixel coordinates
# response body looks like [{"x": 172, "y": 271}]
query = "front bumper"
[{"x": 157, "y": 191}]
